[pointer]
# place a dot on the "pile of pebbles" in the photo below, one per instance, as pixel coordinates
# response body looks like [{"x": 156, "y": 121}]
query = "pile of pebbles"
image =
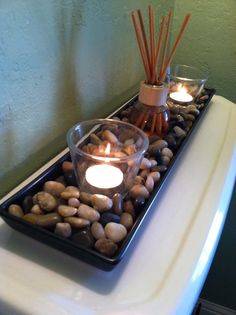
[{"x": 96, "y": 221}]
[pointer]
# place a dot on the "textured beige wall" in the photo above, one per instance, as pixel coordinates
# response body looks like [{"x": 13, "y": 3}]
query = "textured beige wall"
[
  {"x": 210, "y": 40},
  {"x": 61, "y": 61}
]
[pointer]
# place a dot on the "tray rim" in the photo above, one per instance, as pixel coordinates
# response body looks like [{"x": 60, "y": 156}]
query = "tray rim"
[{"x": 107, "y": 263}]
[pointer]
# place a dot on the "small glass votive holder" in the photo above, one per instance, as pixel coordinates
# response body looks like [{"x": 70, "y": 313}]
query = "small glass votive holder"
[
  {"x": 106, "y": 155},
  {"x": 186, "y": 84}
]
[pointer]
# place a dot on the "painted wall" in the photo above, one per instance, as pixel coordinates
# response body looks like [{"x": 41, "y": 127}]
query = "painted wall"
[
  {"x": 61, "y": 61},
  {"x": 210, "y": 41}
]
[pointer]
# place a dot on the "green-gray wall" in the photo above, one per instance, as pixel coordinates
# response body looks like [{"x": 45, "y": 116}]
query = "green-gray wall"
[
  {"x": 61, "y": 62},
  {"x": 210, "y": 41}
]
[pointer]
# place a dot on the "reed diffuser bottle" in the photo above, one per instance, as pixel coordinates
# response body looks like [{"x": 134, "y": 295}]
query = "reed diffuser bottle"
[{"x": 151, "y": 113}]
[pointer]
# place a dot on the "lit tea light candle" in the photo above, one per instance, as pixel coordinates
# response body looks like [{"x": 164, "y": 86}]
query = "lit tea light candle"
[
  {"x": 181, "y": 96},
  {"x": 104, "y": 176}
]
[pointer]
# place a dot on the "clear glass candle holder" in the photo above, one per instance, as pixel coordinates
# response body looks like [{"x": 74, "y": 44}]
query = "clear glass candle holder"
[
  {"x": 186, "y": 83},
  {"x": 106, "y": 155}
]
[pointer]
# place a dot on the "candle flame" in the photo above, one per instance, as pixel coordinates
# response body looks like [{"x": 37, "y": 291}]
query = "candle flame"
[
  {"x": 182, "y": 89},
  {"x": 108, "y": 149}
]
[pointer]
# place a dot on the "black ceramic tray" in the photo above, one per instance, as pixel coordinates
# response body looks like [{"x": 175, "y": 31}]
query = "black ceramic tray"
[{"x": 53, "y": 171}]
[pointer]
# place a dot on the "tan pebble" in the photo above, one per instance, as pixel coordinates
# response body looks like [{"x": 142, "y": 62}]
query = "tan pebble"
[
  {"x": 129, "y": 208},
  {"x": 67, "y": 166},
  {"x": 70, "y": 192},
  {"x": 109, "y": 136},
  {"x": 167, "y": 152},
  {"x": 153, "y": 163},
  {"x": 126, "y": 219},
  {"x": 85, "y": 198},
  {"x": 36, "y": 209},
  {"x": 77, "y": 222},
  {"x": 129, "y": 142},
  {"x": 106, "y": 247},
  {"x": 74, "y": 202},
  {"x": 95, "y": 139},
  {"x": 48, "y": 220},
  {"x": 119, "y": 154},
  {"x": 117, "y": 203},
  {"x": 165, "y": 160},
  {"x": 97, "y": 231},
  {"x": 130, "y": 149},
  {"x": 54, "y": 188},
  {"x": 101, "y": 202},
  {"x": 139, "y": 180},
  {"x": 16, "y": 210},
  {"x": 139, "y": 190},
  {"x": 66, "y": 211},
  {"x": 149, "y": 184},
  {"x": 145, "y": 164},
  {"x": 31, "y": 218},
  {"x": 88, "y": 213},
  {"x": 115, "y": 232},
  {"x": 45, "y": 200},
  {"x": 63, "y": 229},
  {"x": 156, "y": 176},
  {"x": 144, "y": 173}
]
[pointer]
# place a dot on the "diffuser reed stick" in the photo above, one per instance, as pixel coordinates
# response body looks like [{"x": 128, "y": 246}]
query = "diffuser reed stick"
[{"x": 151, "y": 54}]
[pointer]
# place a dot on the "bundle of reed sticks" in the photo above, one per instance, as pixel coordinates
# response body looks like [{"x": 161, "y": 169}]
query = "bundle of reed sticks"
[{"x": 154, "y": 57}]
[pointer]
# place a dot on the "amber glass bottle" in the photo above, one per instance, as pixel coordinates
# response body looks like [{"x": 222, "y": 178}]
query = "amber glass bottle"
[{"x": 151, "y": 112}]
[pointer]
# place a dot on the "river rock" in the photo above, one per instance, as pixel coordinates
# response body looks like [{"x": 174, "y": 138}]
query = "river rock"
[
  {"x": 95, "y": 139},
  {"x": 149, "y": 184},
  {"x": 170, "y": 140},
  {"x": 54, "y": 188},
  {"x": 126, "y": 219},
  {"x": 115, "y": 232},
  {"x": 67, "y": 166},
  {"x": 84, "y": 238},
  {"x": 179, "y": 132},
  {"x": 168, "y": 152},
  {"x": 107, "y": 217},
  {"x": 70, "y": 178},
  {"x": 36, "y": 210},
  {"x": 98, "y": 231},
  {"x": 145, "y": 164},
  {"x": 159, "y": 168},
  {"x": 27, "y": 204},
  {"x": 74, "y": 202},
  {"x": 139, "y": 203},
  {"x": 45, "y": 200},
  {"x": 157, "y": 145},
  {"x": 70, "y": 192},
  {"x": 101, "y": 202},
  {"x": 117, "y": 203},
  {"x": 106, "y": 247},
  {"x": 16, "y": 210},
  {"x": 85, "y": 198},
  {"x": 88, "y": 213},
  {"x": 129, "y": 208},
  {"x": 156, "y": 176},
  {"x": 139, "y": 190},
  {"x": 31, "y": 218},
  {"x": 63, "y": 229},
  {"x": 66, "y": 211},
  {"x": 166, "y": 160},
  {"x": 77, "y": 222},
  {"x": 109, "y": 136},
  {"x": 48, "y": 220},
  {"x": 139, "y": 180}
]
